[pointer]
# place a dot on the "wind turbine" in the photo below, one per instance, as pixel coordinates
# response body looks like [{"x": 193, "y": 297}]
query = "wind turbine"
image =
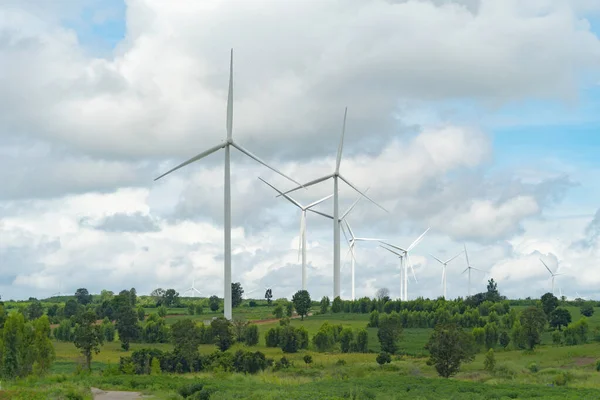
[
  {"x": 59, "y": 293},
  {"x": 469, "y": 268},
  {"x": 552, "y": 274},
  {"x": 302, "y": 237},
  {"x": 352, "y": 243},
  {"x": 192, "y": 289},
  {"x": 405, "y": 262},
  {"x": 444, "y": 265},
  {"x": 227, "y": 187},
  {"x": 336, "y": 212}
]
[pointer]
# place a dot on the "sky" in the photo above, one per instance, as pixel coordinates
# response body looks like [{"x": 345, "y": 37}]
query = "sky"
[{"x": 476, "y": 118}]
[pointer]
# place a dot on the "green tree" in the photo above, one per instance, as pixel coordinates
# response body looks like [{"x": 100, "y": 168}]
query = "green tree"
[
  {"x": 237, "y": 293},
  {"x": 362, "y": 341},
  {"x": 492, "y": 291},
  {"x": 390, "y": 332},
  {"x": 239, "y": 326},
  {"x": 533, "y": 322},
  {"x": 302, "y": 302},
  {"x": 83, "y": 297},
  {"x": 308, "y": 359},
  {"x": 560, "y": 317},
  {"x": 13, "y": 347},
  {"x": 108, "y": 330},
  {"x": 383, "y": 358},
  {"x": 346, "y": 339},
  {"x": 171, "y": 298},
  {"x": 491, "y": 334},
  {"x": 289, "y": 309},
  {"x": 106, "y": 295},
  {"x": 504, "y": 340},
  {"x": 162, "y": 311},
  {"x": 34, "y": 310},
  {"x": 251, "y": 335},
  {"x": 336, "y": 306},
  {"x": 141, "y": 313},
  {"x": 71, "y": 308},
  {"x": 374, "y": 319},
  {"x": 269, "y": 296},
  {"x": 223, "y": 333},
  {"x": 127, "y": 326},
  {"x": 549, "y": 303},
  {"x": 44, "y": 351},
  {"x": 88, "y": 336},
  {"x": 449, "y": 347},
  {"x": 278, "y": 311},
  {"x": 213, "y": 303},
  {"x": 186, "y": 337},
  {"x": 489, "y": 363},
  {"x": 324, "y": 305},
  {"x": 133, "y": 296},
  {"x": 587, "y": 310}
]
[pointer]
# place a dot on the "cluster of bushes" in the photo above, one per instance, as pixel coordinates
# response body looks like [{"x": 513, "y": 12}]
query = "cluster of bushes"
[
  {"x": 290, "y": 339},
  {"x": 154, "y": 361},
  {"x": 330, "y": 337},
  {"x": 575, "y": 333}
]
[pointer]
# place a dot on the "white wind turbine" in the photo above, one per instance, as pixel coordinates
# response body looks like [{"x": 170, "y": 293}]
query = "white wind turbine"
[
  {"x": 444, "y": 265},
  {"x": 469, "y": 268},
  {"x": 336, "y": 212},
  {"x": 192, "y": 289},
  {"x": 405, "y": 262},
  {"x": 552, "y": 274},
  {"x": 227, "y": 144},
  {"x": 352, "y": 243},
  {"x": 302, "y": 237}
]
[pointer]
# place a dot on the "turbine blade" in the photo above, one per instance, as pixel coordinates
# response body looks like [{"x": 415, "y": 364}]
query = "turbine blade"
[
  {"x": 305, "y": 185},
  {"x": 466, "y": 254},
  {"x": 438, "y": 260},
  {"x": 416, "y": 242},
  {"x": 230, "y": 99},
  {"x": 345, "y": 235},
  {"x": 320, "y": 213},
  {"x": 368, "y": 239},
  {"x": 466, "y": 269},
  {"x": 546, "y": 266},
  {"x": 411, "y": 267},
  {"x": 391, "y": 251},
  {"x": 195, "y": 158},
  {"x": 341, "y": 146},
  {"x": 255, "y": 158},
  {"x": 300, "y": 235},
  {"x": 353, "y": 205},
  {"x": 318, "y": 201},
  {"x": 288, "y": 198},
  {"x": 391, "y": 245},
  {"x": 350, "y": 229},
  {"x": 365, "y": 196},
  {"x": 453, "y": 257}
]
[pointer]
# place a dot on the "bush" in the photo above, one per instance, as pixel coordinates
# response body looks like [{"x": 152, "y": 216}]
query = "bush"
[
  {"x": 587, "y": 310},
  {"x": 383, "y": 358},
  {"x": 251, "y": 335},
  {"x": 307, "y": 359},
  {"x": 560, "y": 380},
  {"x": 533, "y": 367},
  {"x": 557, "y": 338},
  {"x": 598, "y": 365},
  {"x": 504, "y": 340},
  {"x": 188, "y": 390},
  {"x": 272, "y": 337},
  {"x": 489, "y": 363},
  {"x": 346, "y": 339}
]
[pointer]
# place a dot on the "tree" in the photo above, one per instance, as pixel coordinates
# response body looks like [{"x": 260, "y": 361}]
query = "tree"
[
  {"x": 158, "y": 294},
  {"x": 346, "y": 339},
  {"x": 278, "y": 311},
  {"x": 560, "y": 317},
  {"x": 269, "y": 296},
  {"x": 222, "y": 332},
  {"x": 171, "y": 298},
  {"x": 83, "y": 297},
  {"x": 382, "y": 294},
  {"x": 186, "y": 337},
  {"x": 491, "y": 334},
  {"x": 587, "y": 310},
  {"x": 44, "y": 351},
  {"x": 251, "y": 335},
  {"x": 289, "y": 309},
  {"x": 302, "y": 302},
  {"x": 239, "y": 329},
  {"x": 88, "y": 336},
  {"x": 127, "y": 326},
  {"x": 504, "y": 339},
  {"x": 390, "y": 332},
  {"x": 324, "y": 305},
  {"x": 549, "y": 303},
  {"x": 336, "y": 306},
  {"x": 492, "y": 291},
  {"x": 141, "y": 313},
  {"x": 237, "y": 293},
  {"x": 489, "y": 363},
  {"x": 71, "y": 308},
  {"x": 307, "y": 359},
  {"x": 35, "y": 310},
  {"x": 13, "y": 345},
  {"x": 383, "y": 358},
  {"x": 213, "y": 303},
  {"x": 533, "y": 322},
  {"x": 133, "y": 296},
  {"x": 449, "y": 347},
  {"x": 162, "y": 311},
  {"x": 106, "y": 295}
]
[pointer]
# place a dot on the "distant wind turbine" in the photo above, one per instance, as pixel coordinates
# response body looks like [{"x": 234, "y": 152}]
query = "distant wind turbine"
[
  {"x": 444, "y": 265},
  {"x": 552, "y": 274},
  {"x": 336, "y": 217},
  {"x": 227, "y": 145},
  {"x": 192, "y": 289},
  {"x": 405, "y": 262},
  {"x": 302, "y": 237},
  {"x": 468, "y": 269}
]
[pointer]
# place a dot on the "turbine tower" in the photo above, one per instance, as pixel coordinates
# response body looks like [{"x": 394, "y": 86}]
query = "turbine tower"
[
  {"x": 336, "y": 212},
  {"x": 227, "y": 145},
  {"x": 302, "y": 237},
  {"x": 444, "y": 265},
  {"x": 552, "y": 274},
  {"x": 405, "y": 262},
  {"x": 192, "y": 289},
  {"x": 469, "y": 268},
  {"x": 352, "y": 243}
]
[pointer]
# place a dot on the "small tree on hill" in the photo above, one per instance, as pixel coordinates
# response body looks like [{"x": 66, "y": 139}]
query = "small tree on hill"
[
  {"x": 383, "y": 358},
  {"x": 237, "y": 293},
  {"x": 489, "y": 363},
  {"x": 449, "y": 347},
  {"x": 213, "y": 303},
  {"x": 560, "y": 317},
  {"x": 88, "y": 336},
  {"x": 82, "y": 296},
  {"x": 324, "y": 305},
  {"x": 390, "y": 332},
  {"x": 127, "y": 327},
  {"x": 533, "y": 322},
  {"x": 587, "y": 310},
  {"x": 549, "y": 303},
  {"x": 269, "y": 296},
  {"x": 302, "y": 302}
]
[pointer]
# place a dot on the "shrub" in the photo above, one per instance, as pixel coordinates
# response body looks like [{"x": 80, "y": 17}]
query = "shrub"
[
  {"x": 587, "y": 310},
  {"x": 362, "y": 341},
  {"x": 251, "y": 335},
  {"x": 188, "y": 390},
  {"x": 383, "y": 358},
  {"x": 504, "y": 339},
  {"x": 489, "y": 363},
  {"x": 162, "y": 311},
  {"x": 533, "y": 367},
  {"x": 278, "y": 311},
  {"x": 557, "y": 338},
  {"x": 307, "y": 359},
  {"x": 272, "y": 337},
  {"x": 598, "y": 365},
  {"x": 560, "y": 380},
  {"x": 346, "y": 339},
  {"x": 374, "y": 319}
]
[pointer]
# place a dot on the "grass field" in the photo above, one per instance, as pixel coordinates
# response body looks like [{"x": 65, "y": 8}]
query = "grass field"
[{"x": 337, "y": 376}]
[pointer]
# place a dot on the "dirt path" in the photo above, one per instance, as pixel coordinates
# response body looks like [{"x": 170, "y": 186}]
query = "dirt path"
[{"x": 104, "y": 395}]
